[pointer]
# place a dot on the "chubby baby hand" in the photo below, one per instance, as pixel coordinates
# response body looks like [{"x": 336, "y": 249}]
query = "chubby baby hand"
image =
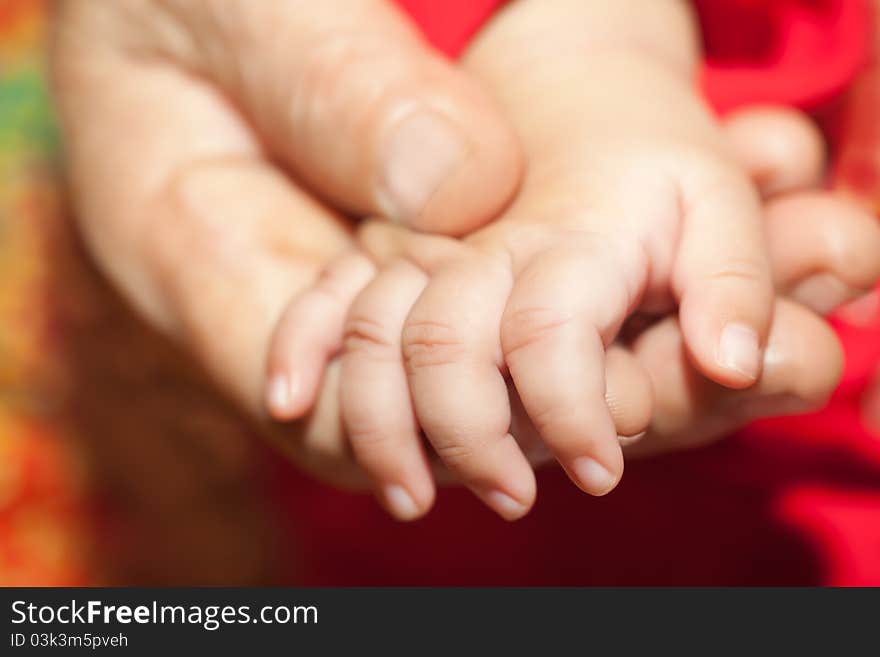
[{"x": 633, "y": 201}]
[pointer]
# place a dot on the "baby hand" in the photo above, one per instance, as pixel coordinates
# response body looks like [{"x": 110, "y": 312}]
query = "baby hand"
[
  {"x": 625, "y": 207},
  {"x": 631, "y": 201},
  {"x": 814, "y": 240}
]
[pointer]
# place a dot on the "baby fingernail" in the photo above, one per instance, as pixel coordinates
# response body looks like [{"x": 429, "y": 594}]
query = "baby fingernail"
[
  {"x": 504, "y": 505},
  {"x": 280, "y": 395},
  {"x": 738, "y": 350},
  {"x": 422, "y": 152},
  {"x": 400, "y": 503},
  {"x": 592, "y": 476}
]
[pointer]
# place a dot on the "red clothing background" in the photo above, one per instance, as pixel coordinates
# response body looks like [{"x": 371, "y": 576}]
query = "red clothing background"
[{"x": 787, "y": 501}]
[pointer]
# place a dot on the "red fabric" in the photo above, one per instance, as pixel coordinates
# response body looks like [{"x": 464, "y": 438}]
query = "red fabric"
[
  {"x": 797, "y": 52},
  {"x": 787, "y": 501}
]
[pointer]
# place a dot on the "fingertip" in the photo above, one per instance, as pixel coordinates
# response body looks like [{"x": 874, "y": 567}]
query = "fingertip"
[
  {"x": 723, "y": 279},
  {"x": 804, "y": 356},
  {"x": 593, "y": 477},
  {"x": 739, "y": 353},
  {"x": 507, "y": 506},
  {"x": 297, "y": 356},
  {"x": 725, "y": 339},
  {"x": 403, "y": 505},
  {"x": 480, "y": 187},
  {"x": 629, "y": 394},
  {"x": 278, "y": 396},
  {"x": 288, "y": 395},
  {"x": 510, "y": 493},
  {"x": 823, "y": 247},
  {"x": 307, "y": 334},
  {"x": 781, "y": 148},
  {"x": 822, "y": 293},
  {"x": 423, "y": 150},
  {"x": 731, "y": 356}
]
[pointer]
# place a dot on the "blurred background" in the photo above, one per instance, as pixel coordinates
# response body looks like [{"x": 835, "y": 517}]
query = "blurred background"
[{"x": 117, "y": 465}]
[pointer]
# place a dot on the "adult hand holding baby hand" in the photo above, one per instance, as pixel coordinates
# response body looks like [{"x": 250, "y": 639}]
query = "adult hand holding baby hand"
[
  {"x": 346, "y": 95},
  {"x": 628, "y": 205},
  {"x": 214, "y": 148},
  {"x": 207, "y": 142},
  {"x": 823, "y": 253}
]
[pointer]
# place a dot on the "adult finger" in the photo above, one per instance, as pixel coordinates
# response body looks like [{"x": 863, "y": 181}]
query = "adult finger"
[{"x": 352, "y": 98}]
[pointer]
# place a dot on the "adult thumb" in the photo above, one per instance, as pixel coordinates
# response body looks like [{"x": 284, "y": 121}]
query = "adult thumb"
[{"x": 349, "y": 96}]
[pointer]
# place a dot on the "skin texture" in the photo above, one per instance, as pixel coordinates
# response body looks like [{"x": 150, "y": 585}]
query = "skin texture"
[
  {"x": 627, "y": 207},
  {"x": 224, "y": 179},
  {"x": 211, "y": 212},
  {"x": 642, "y": 205},
  {"x": 651, "y": 383}
]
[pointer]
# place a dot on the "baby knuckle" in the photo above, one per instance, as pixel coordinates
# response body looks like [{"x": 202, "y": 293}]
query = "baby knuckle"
[
  {"x": 470, "y": 451},
  {"x": 427, "y": 344},
  {"x": 365, "y": 334},
  {"x": 455, "y": 453},
  {"x": 524, "y": 328},
  {"x": 555, "y": 421},
  {"x": 749, "y": 270},
  {"x": 368, "y": 436}
]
